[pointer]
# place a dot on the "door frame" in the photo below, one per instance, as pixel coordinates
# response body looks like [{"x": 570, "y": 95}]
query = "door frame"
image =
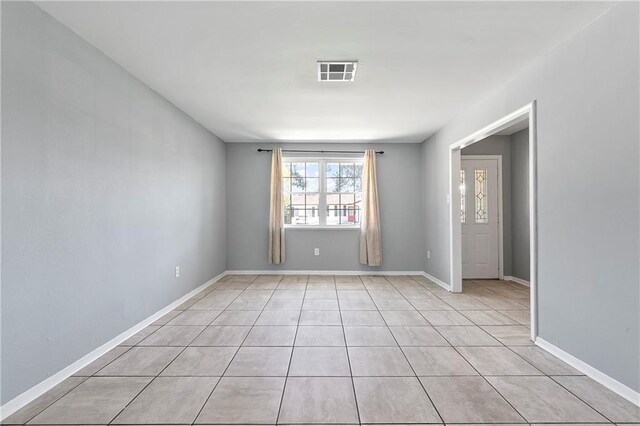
[
  {"x": 500, "y": 209},
  {"x": 526, "y": 113}
]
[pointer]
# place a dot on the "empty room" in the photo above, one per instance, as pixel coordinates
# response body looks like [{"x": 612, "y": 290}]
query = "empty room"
[{"x": 320, "y": 213}]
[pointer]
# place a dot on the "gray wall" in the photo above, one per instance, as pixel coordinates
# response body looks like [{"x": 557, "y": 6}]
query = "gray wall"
[
  {"x": 106, "y": 187},
  {"x": 515, "y": 197},
  {"x": 588, "y": 190},
  {"x": 399, "y": 190},
  {"x": 519, "y": 209}
]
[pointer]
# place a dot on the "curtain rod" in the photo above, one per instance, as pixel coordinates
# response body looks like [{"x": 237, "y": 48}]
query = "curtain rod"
[{"x": 321, "y": 152}]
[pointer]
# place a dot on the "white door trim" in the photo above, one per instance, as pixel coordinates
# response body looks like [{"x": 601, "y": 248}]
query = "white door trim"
[
  {"x": 500, "y": 208},
  {"x": 527, "y": 112}
]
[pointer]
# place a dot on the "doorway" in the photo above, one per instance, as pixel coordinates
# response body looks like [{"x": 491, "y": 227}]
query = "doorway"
[
  {"x": 482, "y": 242},
  {"x": 480, "y": 215}
]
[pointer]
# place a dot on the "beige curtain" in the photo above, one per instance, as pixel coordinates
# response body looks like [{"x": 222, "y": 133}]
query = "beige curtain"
[
  {"x": 370, "y": 240},
  {"x": 276, "y": 218}
]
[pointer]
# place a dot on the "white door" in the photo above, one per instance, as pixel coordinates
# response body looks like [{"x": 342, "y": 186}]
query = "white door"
[{"x": 479, "y": 217}]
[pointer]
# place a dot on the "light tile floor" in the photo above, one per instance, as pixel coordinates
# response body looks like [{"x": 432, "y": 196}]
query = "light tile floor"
[{"x": 333, "y": 350}]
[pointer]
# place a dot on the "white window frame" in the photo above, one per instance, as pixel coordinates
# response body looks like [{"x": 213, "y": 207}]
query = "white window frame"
[{"x": 322, "y": 188}]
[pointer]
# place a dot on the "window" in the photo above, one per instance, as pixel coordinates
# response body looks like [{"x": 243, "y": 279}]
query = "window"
[
  {"x": 481, "y": 196},
  {"x": 463, "y": 204},
  {"x": 322, "y": 192}
]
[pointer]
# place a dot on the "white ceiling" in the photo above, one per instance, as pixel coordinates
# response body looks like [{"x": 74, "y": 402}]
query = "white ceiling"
[{"x": 247, "y": 70}]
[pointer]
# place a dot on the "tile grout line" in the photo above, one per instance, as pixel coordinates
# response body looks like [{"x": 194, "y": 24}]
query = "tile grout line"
[
  {"x": 483, "y": 377},
  {"x": 543, "y": 374},
  {"x": 346, "y": 348},
  {"x": 195, "y": 419},
  {"x": 293, "y": 346},
  {"x": 405, "y": 355},
  {"x": 85, "y": 378},
  {"x": 153, "y": 378},
  {"x": 113, "y": 360},
  {"x": 491, "y": 384},
  {"x": 525, "y": 360},
  {"x": 585, "y": 402}
]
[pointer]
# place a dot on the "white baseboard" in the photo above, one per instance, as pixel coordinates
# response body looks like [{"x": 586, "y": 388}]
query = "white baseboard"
[
  {"x": 307, "y": 272},
  {"x": 437, "y": 281},
  {"x": 517, "y": 280},
  {"x": 29, "y": 395},
  {"x": 597, "y": 375}
]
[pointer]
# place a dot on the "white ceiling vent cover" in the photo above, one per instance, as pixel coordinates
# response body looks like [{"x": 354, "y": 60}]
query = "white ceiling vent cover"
[{"x": 337, "y": 70}]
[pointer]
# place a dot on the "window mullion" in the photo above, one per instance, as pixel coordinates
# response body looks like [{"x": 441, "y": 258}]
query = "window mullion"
[{"x": 323, "y": 196}]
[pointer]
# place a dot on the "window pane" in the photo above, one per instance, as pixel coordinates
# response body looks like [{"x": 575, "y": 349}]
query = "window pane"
[
  {"x": 302, "y": 209},
  {"x": 347, "y": 199},
  {"x": 347, "y": 170},
  {"x": 312, "y": 169},
  {"x": 297, "y": 169},
  {"x": 323, "y": 67},
  {"x": 297, "y": 215},
  {"x": 286, "y": 169},
  {"x": 358, "y": 170},
  {"x": 333, "y": 169},
  {"x": 463, "y": 213},
  {"x": 333, "y": 199},
  {"x": 358, "y": 184},
  {"x": 336, "y": 67},
  {"x": 312, "y": 200},
  {"x": 347, "y": 185},
  {"x": 333, "y": 184},
  {"x": 481, "y": 196},
  {"x": 343, "y": 214},
  {"x": 313, "y": 218},
  {"x": 335, "y": 76},
  {"x": 311, "y": 185},
  {"x": 349, "y": 68},
  {"x": 333, "y": 217},
  {"x": 297, "y": 185},
  {"x": 352, "y": 216}
]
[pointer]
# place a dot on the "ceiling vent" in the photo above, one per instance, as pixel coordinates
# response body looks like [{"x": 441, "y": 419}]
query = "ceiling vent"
[{"x": 337, "y": 70}]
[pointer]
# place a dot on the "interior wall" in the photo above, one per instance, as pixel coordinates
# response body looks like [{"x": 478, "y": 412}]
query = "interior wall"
[
  {"x": 588, "y": 186},
  {"x": 106, "y": 187},
  {"x": 520, "y": 227},
  {"x": 399, "y": 190},
  {"x": 499, "y": 145}
]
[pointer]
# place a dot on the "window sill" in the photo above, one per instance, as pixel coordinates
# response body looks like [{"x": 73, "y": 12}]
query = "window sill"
[{"x": 320, "y": 228}]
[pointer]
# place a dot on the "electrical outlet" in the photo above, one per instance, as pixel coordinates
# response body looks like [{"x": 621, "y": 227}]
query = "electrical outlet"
[
  {"x": 316, "y": 252},
  {"x": 428, "y": 254},
  {"x": 177, "y": 271}
]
